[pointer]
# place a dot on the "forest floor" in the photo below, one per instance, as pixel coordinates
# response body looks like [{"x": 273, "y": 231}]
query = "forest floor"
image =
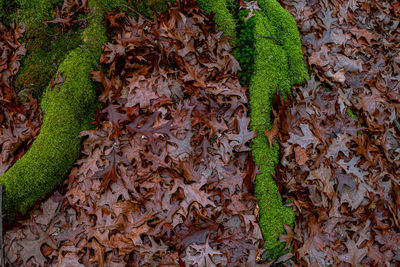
[
  {"x": 339, "y": 138},
  {"x": 166, "y": 176},
  {"x": 340, "y": 135}
]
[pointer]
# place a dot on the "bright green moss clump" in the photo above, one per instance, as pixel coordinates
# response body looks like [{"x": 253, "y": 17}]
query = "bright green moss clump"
[
  {"x": 277, "y": 65},
  {"x": 67, "y": 110},
  {"x": 222, "y": 16}
]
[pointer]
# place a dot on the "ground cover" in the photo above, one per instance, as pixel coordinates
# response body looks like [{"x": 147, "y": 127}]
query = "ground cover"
[
  {"x": 166, "y": 175},
  {"x": 19, "y": 124},
  {"x": 339, "y": 139},
  {"x": 340, "y": 136}
]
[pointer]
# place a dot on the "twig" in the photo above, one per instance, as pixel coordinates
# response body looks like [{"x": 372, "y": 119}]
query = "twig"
[
  {"x": 397, "y": 123},
  {"x": 266, "y": 14},
  {"x": 1, "y": 226},
  {"x": 8, "y": 261},
  {"x": 137, "y": 13},
  {"x": 265, "y": 25},
  {"x": 270, "y": 37},
  {"x": 55, "y": 215}
]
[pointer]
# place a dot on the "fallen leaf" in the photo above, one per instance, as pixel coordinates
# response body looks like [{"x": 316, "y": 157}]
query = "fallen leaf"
[{"x": 301, "y": 155}]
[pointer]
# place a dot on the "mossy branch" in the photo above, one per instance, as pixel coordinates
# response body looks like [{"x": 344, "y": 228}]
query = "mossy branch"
[
  {"x": 278, "y": 64},
  {"x": 67, "y": 110}
]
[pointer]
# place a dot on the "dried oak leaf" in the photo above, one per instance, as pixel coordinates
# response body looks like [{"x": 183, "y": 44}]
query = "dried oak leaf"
[
  {"x": 339, "y": 144},
  {"x": 180, "y": 148},
  {"x": 301, "y": 155},
  {"x": 109, "y": 173},
  {"x": 192, "y": 193},
  {"x": 204, "y": 255},
  {"x": 379, "y": 257},
  {"x": 32, "y": 244},
  {"x": 354, "y": 254},
  {"x": 363, "y": 33},
  {"x": 99, "y": 252},
  {"x": 288, "y": 237},
  {"x": 272, "y": 133},
  {"x": 305, "y": 140},
  {"x": 142, "y": 96},
  {"x": 238, "y": 141},
  {"x": 64, "y": 21},
  {"x": 350, "y": 167}
]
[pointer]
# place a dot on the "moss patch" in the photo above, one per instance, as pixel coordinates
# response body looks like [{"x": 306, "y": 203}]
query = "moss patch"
[
  {"x": 46, "y": 46},
  {"x": 7, "y": 11},
  {"x": 245, "y": 52},
  {"x": 146, "y": 8},
  {"x": 45, "y": 53},
  {"x": 67, "y": 110},
  {"x": 277, "y": 65}
]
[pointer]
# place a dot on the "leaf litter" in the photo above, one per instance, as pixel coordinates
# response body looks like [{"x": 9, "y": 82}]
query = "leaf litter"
[
  {"x": 165, "y": 178},
  {"x": 134, "y": 196},
  {"x": 339, "y": 139},
  {"x": 19, "y": 122}
]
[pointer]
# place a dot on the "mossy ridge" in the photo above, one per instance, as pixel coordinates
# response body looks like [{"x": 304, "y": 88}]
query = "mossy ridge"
[
  {"x": 222, "y": 16},
  {"x": 277, "y": 65},
  {"x": 67, "y": 110}
]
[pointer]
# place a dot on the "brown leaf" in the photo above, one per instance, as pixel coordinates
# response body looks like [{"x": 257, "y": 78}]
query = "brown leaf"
[
  {"x": 33, "y": 243},
  {"x": 288, "y": 237},
  {"x": 272, "y": 133},
  {"x": 301, "y": 155},
  {"x": 99, "y": 252},
  {"x": 305, "y": 140},
  {"x": 354, "y": 254},
  {"x": 363, "y": 33}
]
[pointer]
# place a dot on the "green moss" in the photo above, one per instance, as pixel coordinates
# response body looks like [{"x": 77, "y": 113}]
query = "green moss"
[
  {"x": 67, "y": 110},
  {"x": 350, "y": 113},
  {"x": 232, "y": 6},
  {"x": 45, "y": 53},
  {"x": 245, "y": 52},
  {"x": 277, "y": 65},
  {"x": 32, "y": 13},
  {"x": 288, "y": 34},
  {"x": 222, "y": 16},
  {"x": 7, "y": 11},
  {"x": 46, "y": 45},
  {"x": 146, "y": 7},
  {"x": 2, "y": 12}
]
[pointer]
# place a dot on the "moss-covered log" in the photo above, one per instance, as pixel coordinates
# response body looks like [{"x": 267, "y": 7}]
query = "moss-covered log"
[
  {"x": 278, "y": 64},
  {"x": 67, "y": 110}
]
